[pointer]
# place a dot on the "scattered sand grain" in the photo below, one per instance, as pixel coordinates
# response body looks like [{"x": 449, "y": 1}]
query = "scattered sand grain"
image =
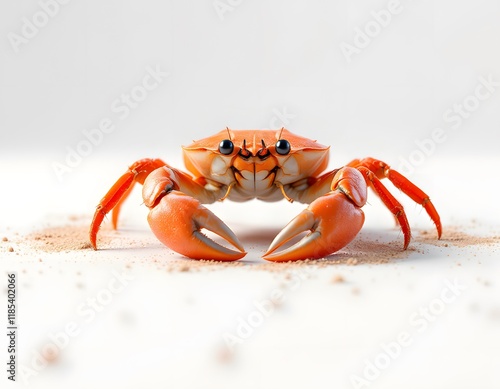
[
  {"x": 369, "y": 248},
  {"x": 66, "y": 238},
  {"x": 337, "y": 278},
  {"x": 455, "y": 235}
]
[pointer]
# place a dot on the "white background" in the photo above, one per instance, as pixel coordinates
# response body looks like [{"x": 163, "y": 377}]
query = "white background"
[
  {"x": 255, "y": 64},
  {"x": 262, "y": 56}
]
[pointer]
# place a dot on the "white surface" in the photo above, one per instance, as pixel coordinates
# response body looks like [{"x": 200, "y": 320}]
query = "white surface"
[
  {"x": 169, "y": 327},
  {"x": 264, "y": 64}
]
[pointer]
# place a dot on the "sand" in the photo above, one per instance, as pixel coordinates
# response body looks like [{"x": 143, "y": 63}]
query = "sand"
[{"x": 373, "y": 248}]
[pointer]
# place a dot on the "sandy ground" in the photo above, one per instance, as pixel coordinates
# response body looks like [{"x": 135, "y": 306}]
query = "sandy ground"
[{"x": 135, "y": 314}]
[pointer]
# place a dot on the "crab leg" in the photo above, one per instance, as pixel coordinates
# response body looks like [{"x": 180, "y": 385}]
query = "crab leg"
[
  {"x": 115, "y": 197},
  {"x": 333, "y": 220},
  {"x": 177, "y": 219},
  {"x": 390, "y": 202},
  {"x": 381, "y": 170}
]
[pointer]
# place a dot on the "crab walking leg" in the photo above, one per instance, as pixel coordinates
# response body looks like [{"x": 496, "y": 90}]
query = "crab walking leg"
[
  {"x": 141, "y": 170},
  {"x": 115, "y": 213},
  {"x": 383, "y": 170},
  {"x": 137, "y": 172},
  {"x": 390, "y": 202},
  {"x": 177, "y": 219},
  {"x": 333, "y": 220}
]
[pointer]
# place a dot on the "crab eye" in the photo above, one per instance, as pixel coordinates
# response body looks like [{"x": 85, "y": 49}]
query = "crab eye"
[
  {"x": 283, "y": 147},
  {"x": 226, "y": 147}
]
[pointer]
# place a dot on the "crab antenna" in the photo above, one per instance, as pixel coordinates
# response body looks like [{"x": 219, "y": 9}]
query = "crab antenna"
[
  {"x": 263, "y": 144},
  {"x": 281, "y": 131},
  {"x": 228, "y": 133}
]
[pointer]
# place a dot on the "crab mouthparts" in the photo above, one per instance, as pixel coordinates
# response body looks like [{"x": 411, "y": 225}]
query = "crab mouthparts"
[{"x": 262, "y": 153}]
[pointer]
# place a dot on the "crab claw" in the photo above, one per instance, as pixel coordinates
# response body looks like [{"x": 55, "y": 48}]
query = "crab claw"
[
  {"x": 333, "y": 220},
  {"x": 176, "y": 219}
]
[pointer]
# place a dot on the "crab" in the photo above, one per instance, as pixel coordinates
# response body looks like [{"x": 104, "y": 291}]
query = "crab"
[{"x": 269, "y": 165}]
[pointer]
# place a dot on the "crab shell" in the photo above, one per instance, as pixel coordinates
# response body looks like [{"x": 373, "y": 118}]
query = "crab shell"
[{"x": 255, "y": 169}]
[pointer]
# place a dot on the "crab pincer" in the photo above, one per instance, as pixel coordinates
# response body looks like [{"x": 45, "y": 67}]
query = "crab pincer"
[
  {"x": 333, "y": 220},
  {"x": 177, "y": 219}
]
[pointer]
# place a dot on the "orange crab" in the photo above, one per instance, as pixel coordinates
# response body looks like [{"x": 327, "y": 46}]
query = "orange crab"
[{"x": 269, "y": 165}]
